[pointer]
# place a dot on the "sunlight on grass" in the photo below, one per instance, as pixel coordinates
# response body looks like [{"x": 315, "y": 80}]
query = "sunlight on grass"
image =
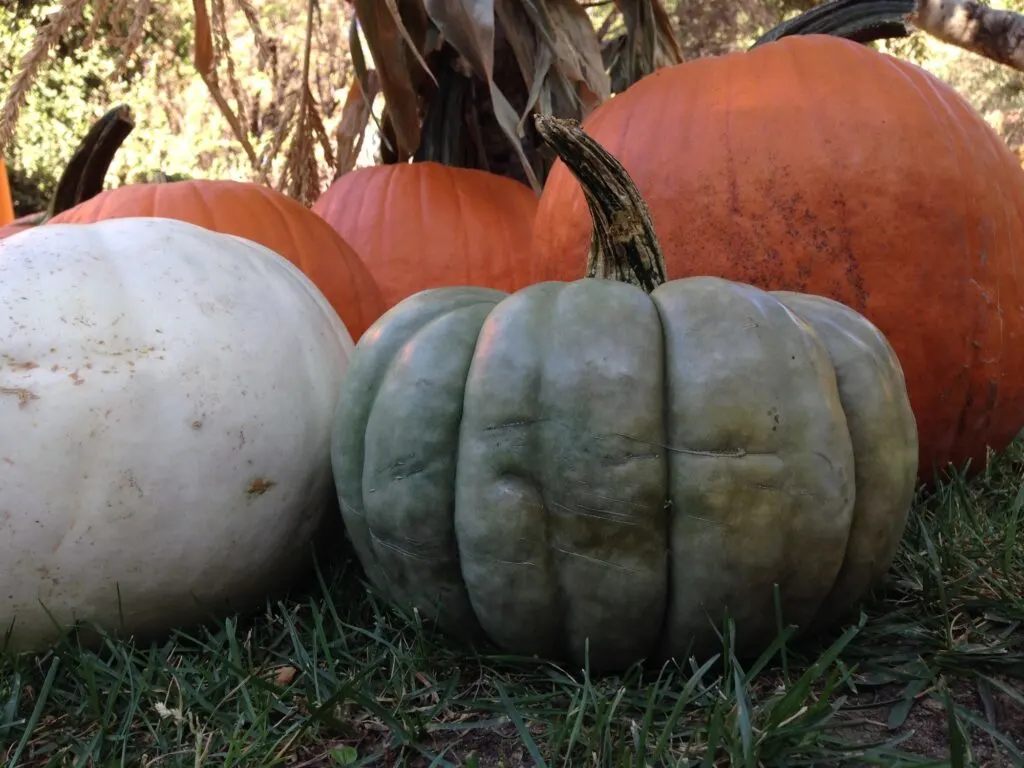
[{"x": 929, "y": 674}]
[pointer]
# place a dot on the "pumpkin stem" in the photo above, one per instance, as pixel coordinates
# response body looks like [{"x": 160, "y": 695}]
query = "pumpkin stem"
[
  {"x": 624, "y": 246},
  {"x": 83, "y": 178},
  {"x": 862, "y": 21}
]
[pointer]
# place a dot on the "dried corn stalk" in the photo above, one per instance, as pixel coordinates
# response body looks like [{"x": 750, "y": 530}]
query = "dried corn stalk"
[{"x": 460, "y": 77}]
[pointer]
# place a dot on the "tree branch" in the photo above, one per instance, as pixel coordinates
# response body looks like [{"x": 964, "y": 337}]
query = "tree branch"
[
  {"x": 971, "y": 25},
  {"x": 968, "y": 24}
]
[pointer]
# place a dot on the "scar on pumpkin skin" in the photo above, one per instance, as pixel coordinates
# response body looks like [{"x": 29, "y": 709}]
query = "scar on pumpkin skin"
[
  {"x": 23, "y": 395},
  {"x": 259, "y": 486}
]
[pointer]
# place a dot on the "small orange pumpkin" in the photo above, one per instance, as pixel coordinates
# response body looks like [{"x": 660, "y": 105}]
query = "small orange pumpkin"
[{"x": 424, "y": 225}]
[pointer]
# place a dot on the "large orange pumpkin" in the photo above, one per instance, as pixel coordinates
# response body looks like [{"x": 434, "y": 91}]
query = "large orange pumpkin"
[
  {"x": 256, "y": 213},
  {"x": 424, "y": 225},
  {"x": 818, "y": 165}
]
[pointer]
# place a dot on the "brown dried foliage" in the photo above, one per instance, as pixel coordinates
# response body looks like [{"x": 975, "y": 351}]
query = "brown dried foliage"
[
  {"x": 292, "y": 120},
  {"x": 279, "y": 132},
  {"x": 459, "y": 77}
]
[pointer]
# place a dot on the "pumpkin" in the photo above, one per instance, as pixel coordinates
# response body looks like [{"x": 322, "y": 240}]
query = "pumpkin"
[
  {"x": 256, "y": 213},
  {"x": 248, "y": 210},
  {"x": 818, "y": 165},
  {"x": 82, "y": 178},
  {"x": 592, "y": 469},
  {"x": 6, "y": 203},
  {"x": 425, "y": 224},
  {"x": 166, "y": 395},
  {"x": 20, "y": 224}
]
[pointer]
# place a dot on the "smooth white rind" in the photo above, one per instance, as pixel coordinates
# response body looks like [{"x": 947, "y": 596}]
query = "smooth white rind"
[{"x": 166, "y": 399}]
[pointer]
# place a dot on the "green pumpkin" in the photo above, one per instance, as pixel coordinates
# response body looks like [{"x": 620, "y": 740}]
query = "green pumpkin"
[{"x": 590, "y": 462}]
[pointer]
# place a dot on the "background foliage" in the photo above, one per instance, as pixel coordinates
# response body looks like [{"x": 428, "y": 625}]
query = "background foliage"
[{"x": 180, "y": 131}]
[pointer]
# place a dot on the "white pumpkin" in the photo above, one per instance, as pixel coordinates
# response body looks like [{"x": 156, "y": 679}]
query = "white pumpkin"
[{"x": 166, "y": 398}]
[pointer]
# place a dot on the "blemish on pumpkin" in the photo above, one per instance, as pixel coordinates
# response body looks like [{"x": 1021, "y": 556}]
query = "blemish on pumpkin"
[
  {"x": 259, "y": 486},
  {"x": 26, "y": 366},
  {"x": 23, "y": 395},
  {"x": 197, "y": 424},
  {"x": 128, "y": 481}
]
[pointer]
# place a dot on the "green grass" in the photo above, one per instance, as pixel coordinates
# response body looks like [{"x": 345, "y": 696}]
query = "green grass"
[{"x": 930, "y": 674}]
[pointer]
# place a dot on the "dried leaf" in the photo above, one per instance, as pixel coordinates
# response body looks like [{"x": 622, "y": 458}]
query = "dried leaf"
[
  {"x": 538, "y": 40},
  {"x": 650, "y": 43},
  {"x": 387, "y": 48},
  {"x": 521, "y": 33},
  {"x": 468, "y": 25},
  {"x": 355, "y": 116},
  {"x": 668, "y": 51},
  {"x": 203, "y": 54},
  {"x": 579, "y": 52},
  {"x": 533, "y": 55},
  {"x": 508, "y": 120},
  {"x": 400, "y": 26}
]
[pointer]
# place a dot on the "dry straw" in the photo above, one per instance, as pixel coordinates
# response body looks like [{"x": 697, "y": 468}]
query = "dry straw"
[
  {"x": 57, "y": 26},
  {"x": 298, "y": 128}
]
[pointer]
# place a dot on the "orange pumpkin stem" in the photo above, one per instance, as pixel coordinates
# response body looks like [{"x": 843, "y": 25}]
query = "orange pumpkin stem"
[
  {"x": 624, "y": 245},
  {"x": 862, "y": 21},
  {"x": 83, "y": 178}
]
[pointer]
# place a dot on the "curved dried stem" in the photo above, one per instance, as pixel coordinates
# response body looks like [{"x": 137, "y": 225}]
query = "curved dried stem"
[
  {"x": 624, "y": 246},
  {"x": 83, "y": 178}
]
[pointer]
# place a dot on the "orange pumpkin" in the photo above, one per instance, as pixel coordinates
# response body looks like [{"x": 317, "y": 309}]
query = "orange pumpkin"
[
  {"x": 424, "y": 225},
  {"x": 817, "y": 165},
  {"x": 20, "y": 223},
  {"x": 252, "y": 211},
  {"x": 6, "y": 203},
  {"x": 256, "y": 213},
  {"x": 82, "y": 178}
]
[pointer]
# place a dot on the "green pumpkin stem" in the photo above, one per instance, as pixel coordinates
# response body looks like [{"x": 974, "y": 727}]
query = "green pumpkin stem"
[
  {"x": 83, "y": 178},
  {"x": 624, "y": 246},
  {"x": 862, "y": 21}
]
